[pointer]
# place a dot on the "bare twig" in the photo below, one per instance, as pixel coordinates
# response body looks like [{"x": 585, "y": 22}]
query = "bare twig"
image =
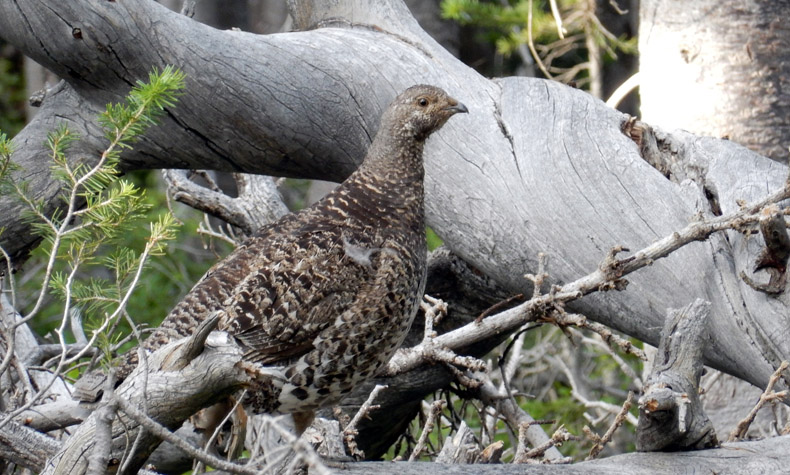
[
  {"x": 200, "y": 467},
  {"x": 205, "y": 228},
  {"x": 435, "y": 310},
  {"x": 769, "y": 395},
  {"x": 350, "y": 431},
  {"x": 618, "y": 421},
  {"x": 611, "y": 339},
  {"x": 594, "y": 55},
  {"x": 523, "y": 51},
  {"x": 539, "y": 277},
  {"x": 617, "y": 8},
  {"x": 515, "y": 416},
  {"x": 629, "y": 372},
  {"x": 582, "y": 398},
  {"x": 8, "y": 276},
  {"x": 430, "y": 351},
  {"x": 521, "y": 447},
  {"x": 555, "y": 12},
  {"x": 531, "y": 43},
  {"x": 47, "y": 351},
  {"x": 99, "y": 459},
  {"x": 559, "y": 437},
  {"x": 299, "y": 446},
  {"x": 499, "y": 305},
  {"x": 436, "y": 409},
  {"x": 258, "y": 203},
  {"x": 623, "y": 90},
  {"x": 188, "y": 8},
  {"x": 366, "y": 407},
  {"x": 164, "y": 434}
]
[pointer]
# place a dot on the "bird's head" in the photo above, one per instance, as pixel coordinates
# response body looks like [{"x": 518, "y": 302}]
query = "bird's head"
[{"x": 420, "y": 110}]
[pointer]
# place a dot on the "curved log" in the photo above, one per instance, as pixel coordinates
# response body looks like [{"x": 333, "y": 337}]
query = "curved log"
[{"x": 536, "y": 167}]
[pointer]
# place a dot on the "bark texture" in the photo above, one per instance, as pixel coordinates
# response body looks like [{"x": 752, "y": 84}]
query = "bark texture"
[
  {"x": 535, "y": 167},
  {"x": 743, "y": 458},
  {"x": 670, "y": 411},
  {"x": 169, "y": 394},
  {"x": 719, "y": 68}
]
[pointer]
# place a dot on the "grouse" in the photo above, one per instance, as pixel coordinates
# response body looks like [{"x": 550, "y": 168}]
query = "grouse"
[{"x": 323, "y": 297}]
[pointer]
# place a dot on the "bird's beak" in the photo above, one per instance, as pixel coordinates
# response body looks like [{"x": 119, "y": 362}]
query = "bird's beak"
[{"x": 456, "y": 108}]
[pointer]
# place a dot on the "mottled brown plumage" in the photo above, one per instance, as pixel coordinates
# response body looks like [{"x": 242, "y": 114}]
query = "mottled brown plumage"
[{"x": 323, "y": 297}]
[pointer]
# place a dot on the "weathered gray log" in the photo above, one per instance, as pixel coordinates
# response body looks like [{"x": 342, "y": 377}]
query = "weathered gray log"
[
  {"x": 461, "y": 448},
  {"x": 252, "y": 103},
  {"x": 741, "y": 458},
  {"x": 167, "y": 395},
  {"x": 26, "y": 447},
  {"x": 671, "y": 416},
  {"x": 64, "y": 412},
  {"x": 765, "y": 456}
]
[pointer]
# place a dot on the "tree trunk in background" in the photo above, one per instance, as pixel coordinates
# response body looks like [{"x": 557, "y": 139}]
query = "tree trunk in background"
[
  {"x": 623, "y": 22},
  {"x": 719, "y": 68}
]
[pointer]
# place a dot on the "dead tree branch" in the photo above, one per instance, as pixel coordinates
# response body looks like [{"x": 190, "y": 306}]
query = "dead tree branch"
[
  {"x": 670, "y": 411},
  {"x": 764, "y": 456},
  {"x": 769, "y": 395},
  {"x": 258, "y": 202},
  {"x": 609, "y": 276},
  {"x": 601, "y": 442},
  {"x": 170, "y": 396}
]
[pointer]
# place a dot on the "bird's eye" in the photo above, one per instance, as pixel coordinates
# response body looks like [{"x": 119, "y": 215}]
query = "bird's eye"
[{"x": 422, "y": 102}]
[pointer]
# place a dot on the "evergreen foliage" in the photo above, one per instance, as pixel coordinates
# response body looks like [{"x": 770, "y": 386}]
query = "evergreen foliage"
[
  {"x": 12, "y": 90},
  {"x": 86, "y": 237},
  {"x": 561, "y": 41}
]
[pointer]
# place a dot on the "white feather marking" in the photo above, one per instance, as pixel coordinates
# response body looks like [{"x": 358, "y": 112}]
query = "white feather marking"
[{"x": 358, "y": 254}]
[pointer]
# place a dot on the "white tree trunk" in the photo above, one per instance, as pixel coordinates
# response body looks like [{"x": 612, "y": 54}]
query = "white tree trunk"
[{"x": 718, "y": 68}]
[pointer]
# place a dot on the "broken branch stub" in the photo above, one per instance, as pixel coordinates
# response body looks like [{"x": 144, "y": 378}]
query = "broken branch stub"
[{"x": 670, "y": 411}]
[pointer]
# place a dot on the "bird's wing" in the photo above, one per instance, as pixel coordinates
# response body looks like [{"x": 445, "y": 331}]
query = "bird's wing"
[{"x": 295, "y": 291}]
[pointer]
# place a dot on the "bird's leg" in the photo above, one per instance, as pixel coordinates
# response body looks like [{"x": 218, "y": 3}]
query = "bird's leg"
[{"x": 302, "y": 421}]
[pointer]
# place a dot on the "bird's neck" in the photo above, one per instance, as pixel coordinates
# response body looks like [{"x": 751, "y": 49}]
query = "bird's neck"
[
  {"x": 396, "y": 156},
  {"x": 389, "y": 183}
]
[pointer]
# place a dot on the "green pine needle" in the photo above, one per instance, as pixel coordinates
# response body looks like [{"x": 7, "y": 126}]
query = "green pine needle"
[{"x": 81, "y": 239}]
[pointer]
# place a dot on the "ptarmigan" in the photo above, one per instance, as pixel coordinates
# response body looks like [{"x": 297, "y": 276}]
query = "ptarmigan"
[{"x": 325, "y": 296}]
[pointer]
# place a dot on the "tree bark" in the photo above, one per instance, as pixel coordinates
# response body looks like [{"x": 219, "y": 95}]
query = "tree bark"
[
  {"x": 719, "y": 68},
  {"x": 670, "y": 412},
  {"x": 536, "y": 167},
  {"x": 169, "y": 393},
  {"x": 26, "y": 447},
  {"x": 741, "y": 458}
]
